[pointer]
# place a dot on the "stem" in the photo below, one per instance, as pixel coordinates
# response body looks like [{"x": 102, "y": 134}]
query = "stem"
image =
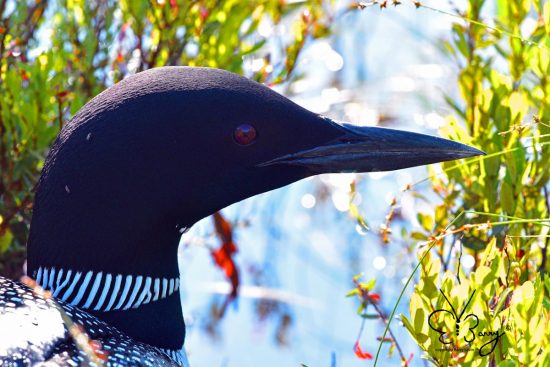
[
  {"x": 394, "y": 339},
  {"x": 545, "y": 248},
  {"x": 481, "y": 24}
]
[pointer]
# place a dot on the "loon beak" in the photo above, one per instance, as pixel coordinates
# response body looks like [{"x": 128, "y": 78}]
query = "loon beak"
[{"x": 368, "y": 149}]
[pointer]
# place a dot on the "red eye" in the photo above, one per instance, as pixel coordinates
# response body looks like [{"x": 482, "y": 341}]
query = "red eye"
[{"x": 245, "y": 134}]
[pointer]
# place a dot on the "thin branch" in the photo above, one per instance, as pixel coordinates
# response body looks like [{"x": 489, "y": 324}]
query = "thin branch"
[
  {"x": 393, "y": 338},
  {"x": 547, "y": 242}
]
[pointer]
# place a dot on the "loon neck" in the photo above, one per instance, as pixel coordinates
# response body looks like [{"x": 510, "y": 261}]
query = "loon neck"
[
  {"x": 118, "y": 264},
  {"x": 121, "y": 241}
]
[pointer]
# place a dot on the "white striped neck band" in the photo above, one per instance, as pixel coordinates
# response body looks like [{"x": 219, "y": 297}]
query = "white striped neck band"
[
  {"x": 177, "y": 355},
  {"x": 99, "y": 291}
]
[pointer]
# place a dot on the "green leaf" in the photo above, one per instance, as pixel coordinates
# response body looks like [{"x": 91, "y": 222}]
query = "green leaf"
[
  {"x": 454, "y": 105},
  {"x": 473, "y": 243},
  {"x": 407, "y": 324},
  {"x": 507, "y": 198},
  {"x": 441, "y": 215},
  {"x": 370, "y": 316},
  {"x": 417, "y": 313},
  {"x": 353, "y": 292},
  {"x": 460, "y": 40},
  {"x": 368, "y": 286},
  {"x": 507, "y": 363},
  {"x": 524, "y": 295},
  {"x": 5, "y": 241},
  {"x": 418, "y": 236},
  {"x": 426, "y": 221}
]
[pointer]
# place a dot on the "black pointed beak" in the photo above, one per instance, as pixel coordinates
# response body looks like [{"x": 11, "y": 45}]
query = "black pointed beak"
[{"x": 368, "y": 149}]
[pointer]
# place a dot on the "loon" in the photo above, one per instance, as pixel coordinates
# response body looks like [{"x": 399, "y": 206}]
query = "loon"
[{"x": 136, "y": 166}]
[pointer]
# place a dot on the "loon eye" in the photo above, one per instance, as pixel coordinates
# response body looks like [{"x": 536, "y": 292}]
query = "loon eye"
[{"x": 245, "y": 134}]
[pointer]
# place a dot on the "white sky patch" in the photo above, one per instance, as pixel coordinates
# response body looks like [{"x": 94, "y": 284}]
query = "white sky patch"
[
  {"x": 133, "y": 63},
  {"x": 257, "y": 64},
  {"x": 321, "y": 50},
  {"x": 361, "y": 230},
  {"x": 389, "y": 271},
  {"x": 527, "y": 27},
  {"x": 361, "y": 115},
  {"x": 379, "y": 262},
  {"x": 308, "y": 201},
  {"x": 334, "y": 61},
  {"x": 301, "y": 220},
  {"x": 192, "y": 49},
  {"x": 402, "y": 84},
  {"x": 340, "y": 200},
  {"x": 256, "y": 292},
  {"x": 428, "y": 71},
  {"x": 434, "y": 120},
  {"x": 339, "y": 180},
  {"x": 265, "y": 28},
  {"x": 357, "y": 199},
  {"x": 377, "y": 175},
  {"x": 468, "y": 261},
  {"x": 325, "y": 248}
]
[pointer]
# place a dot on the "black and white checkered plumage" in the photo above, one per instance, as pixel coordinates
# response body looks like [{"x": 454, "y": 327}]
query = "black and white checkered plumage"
[{"x": 32, "y": 331}]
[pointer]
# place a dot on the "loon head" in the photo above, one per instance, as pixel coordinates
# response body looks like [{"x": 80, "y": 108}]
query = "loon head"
[{"x": 166, "y": 147}]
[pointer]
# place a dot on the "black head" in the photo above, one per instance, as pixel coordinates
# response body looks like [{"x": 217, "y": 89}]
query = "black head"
[{"x": 166, "y": 147}]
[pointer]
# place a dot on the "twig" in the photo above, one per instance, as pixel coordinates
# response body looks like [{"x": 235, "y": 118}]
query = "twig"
[
  {"x": 459, "y": 261},
  {"x": 418, "y": 4},
  {"x": 91, "y": 350},
  {"x": 393, "y": 338},
  {"x": 545, "y": 248},
  {"x": 39, "y": 9}
]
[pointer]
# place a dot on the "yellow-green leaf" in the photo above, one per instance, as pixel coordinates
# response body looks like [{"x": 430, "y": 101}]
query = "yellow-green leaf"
[{"x": 5, "y": 241}]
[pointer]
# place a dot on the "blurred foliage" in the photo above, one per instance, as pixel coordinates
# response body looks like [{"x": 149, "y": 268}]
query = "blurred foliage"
[
  {"x": 482, "y": 297},
  {"x": 56, "y": 55},
  {"x": 494, "y": 316}
]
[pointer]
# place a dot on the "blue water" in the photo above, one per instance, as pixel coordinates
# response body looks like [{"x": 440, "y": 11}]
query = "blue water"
[{"x": 296, "y": 263}]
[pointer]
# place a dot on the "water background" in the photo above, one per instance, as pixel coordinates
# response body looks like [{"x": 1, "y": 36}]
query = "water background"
[{"x": 297, "y": 260}]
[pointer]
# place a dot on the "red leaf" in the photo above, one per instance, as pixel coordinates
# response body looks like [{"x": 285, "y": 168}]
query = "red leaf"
[
  {"x": 223, "y": 259},
  {"x": 373, "y": 297},
  {"x": 203, "y": 13},
  {"x": 360, "y": 353},
  {"x": 223, "y": 228},
  {"x": 223, "y": 256}
]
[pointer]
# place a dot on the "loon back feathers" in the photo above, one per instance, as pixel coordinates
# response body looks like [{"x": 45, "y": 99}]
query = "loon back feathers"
[{"x": 33, "y": 331}]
